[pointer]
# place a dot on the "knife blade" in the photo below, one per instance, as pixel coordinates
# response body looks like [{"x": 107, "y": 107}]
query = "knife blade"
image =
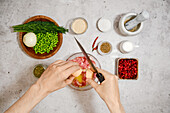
[{"x": 98, "y": 75}]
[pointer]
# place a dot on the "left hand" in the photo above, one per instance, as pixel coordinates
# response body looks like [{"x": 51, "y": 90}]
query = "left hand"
[{"x": 57, "y": 75}]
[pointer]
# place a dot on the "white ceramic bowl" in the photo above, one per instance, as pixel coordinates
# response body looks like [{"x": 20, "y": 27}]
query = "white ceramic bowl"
[
  {"x": 122, "y": 26},
  {"x": 104, "y": 24}
]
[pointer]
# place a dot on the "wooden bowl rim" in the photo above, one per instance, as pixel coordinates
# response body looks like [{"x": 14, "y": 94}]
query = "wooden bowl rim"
[{"x": 60, "y": 35}]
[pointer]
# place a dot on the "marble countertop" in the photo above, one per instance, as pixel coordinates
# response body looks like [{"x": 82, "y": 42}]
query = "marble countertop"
[{"x": 149, "y": 94}]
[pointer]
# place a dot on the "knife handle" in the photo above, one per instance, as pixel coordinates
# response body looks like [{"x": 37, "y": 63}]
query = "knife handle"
[{"x": 100, "y": 77}]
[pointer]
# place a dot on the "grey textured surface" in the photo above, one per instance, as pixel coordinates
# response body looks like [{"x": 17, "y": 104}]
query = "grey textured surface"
[{"x": 149, "y": 94}]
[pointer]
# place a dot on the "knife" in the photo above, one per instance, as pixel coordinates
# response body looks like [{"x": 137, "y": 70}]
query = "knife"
[{"x": 98, "y": 75}]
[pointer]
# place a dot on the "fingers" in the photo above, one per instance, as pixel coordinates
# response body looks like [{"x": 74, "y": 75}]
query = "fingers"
[
  {"x": 58, "y": 61},
  {"x": 104, "y": 73},
  {"x": 69, "y": 80},
  {"x": 61, "y": 63},
  {"x": 67, "y": 72},
  {"x": 92, "y": 83},
  {"x": 116, "y": 77},
  {"x": 68, "y": 64}
]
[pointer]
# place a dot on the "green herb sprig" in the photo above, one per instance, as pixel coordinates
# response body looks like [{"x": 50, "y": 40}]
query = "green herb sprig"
[{"x": 39, "y": 27}]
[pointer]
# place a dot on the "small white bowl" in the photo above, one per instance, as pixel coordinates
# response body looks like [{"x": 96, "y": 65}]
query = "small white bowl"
[
  {"x": 124, "y": 48},
  {"x": 122, "y": 26},
  {"x": 99, "y": 45},
  {"x": 104, "y": 24}
]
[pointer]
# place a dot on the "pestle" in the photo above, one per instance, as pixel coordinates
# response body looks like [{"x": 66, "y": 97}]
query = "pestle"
[{"x": 144, "y": 15}]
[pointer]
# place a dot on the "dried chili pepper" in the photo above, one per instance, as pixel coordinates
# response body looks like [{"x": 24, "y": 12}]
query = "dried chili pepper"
[
  {"x": 94, "y": 42},
  {"x": 94, "y": 48}
]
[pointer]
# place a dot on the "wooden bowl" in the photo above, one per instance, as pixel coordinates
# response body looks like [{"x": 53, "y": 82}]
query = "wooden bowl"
[{"x": 29, "y": 50}]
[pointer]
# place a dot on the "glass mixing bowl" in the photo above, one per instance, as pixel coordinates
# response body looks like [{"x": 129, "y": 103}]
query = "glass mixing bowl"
[{"x": 80, "y": 54}]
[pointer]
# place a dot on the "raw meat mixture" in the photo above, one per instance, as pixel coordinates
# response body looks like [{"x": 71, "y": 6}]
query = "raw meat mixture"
[{"x": 80, "y": 81}]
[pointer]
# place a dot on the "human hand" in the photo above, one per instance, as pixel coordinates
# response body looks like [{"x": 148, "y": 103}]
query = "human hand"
[
  {"x": 108, "y": 91},
  {"x": 57, "y": 75}
]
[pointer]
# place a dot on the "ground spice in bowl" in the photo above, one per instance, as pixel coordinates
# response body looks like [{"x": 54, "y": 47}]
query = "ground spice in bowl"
[{"x": 105, "y": 47}]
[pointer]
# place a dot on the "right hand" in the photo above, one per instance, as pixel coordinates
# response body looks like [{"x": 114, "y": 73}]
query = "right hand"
[{"x": 108, "y": 90}]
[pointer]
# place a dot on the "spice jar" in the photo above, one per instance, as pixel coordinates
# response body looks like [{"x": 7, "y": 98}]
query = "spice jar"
[{"x": 104, "y": 48}]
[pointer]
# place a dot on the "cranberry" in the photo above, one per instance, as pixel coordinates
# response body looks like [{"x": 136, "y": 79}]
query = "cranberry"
[{"x": 127, "y": 68}]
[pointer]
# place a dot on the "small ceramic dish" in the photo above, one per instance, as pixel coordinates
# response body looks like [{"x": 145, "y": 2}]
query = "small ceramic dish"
[
  {"x": 40, "y": 73},
  {"x": 77, "y": 21},
  {"x": 104, "y": 24},
  {"x": 99, "y": 48}
]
